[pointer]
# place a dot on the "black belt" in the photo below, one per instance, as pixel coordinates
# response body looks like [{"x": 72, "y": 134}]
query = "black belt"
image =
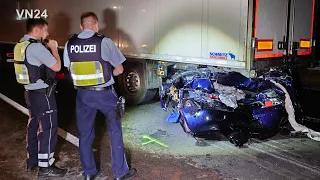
[
  {"x": 43, "y": 90},
  {"x": 95, "y": 88}
]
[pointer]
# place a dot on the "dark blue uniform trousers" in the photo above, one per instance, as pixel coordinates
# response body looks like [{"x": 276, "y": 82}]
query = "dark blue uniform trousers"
[
  {"x": 41, "y": 129},
  {"x": 87, "y": 104}
]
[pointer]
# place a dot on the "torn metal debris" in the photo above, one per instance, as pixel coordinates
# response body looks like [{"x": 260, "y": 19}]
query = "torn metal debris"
[{"x": 229, "y": 103}]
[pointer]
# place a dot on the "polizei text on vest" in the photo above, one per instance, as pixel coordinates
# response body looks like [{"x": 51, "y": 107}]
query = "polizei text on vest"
[{"x": 83, "y": 48}]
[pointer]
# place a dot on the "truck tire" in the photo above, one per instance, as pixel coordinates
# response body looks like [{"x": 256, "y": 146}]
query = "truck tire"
[{"x": 133, "y": 85}]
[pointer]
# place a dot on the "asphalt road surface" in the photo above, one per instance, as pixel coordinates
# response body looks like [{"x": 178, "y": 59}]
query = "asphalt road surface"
[{"x": 160, "y": 150}]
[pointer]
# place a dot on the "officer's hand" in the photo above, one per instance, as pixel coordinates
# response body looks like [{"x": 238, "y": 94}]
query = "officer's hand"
[{"x": 52, "y": 44}]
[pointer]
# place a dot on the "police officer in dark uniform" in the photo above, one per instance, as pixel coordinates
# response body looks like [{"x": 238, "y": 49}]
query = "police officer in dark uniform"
[
  {"x": 35, "y": 68},
  {"x": 91, "y": 58}
]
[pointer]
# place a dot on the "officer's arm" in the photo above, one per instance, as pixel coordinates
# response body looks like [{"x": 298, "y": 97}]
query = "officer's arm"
[
  {"x": 53, "y": 45},
  {"x": 44, "y": 56},
  {"x": 111, "y": 53},
  {"x": 56, "y": 67},
  {"x": 118, "y": 70},
  {"x": 66, "y": 60}
]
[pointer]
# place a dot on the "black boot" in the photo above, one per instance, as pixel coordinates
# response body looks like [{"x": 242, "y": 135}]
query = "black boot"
[
  {"x": 51, "y": 171},
  {"x": 132, "y": 172}
]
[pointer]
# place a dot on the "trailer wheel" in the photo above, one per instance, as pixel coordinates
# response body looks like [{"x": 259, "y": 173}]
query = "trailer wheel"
[{"x": 132, "y": 85}]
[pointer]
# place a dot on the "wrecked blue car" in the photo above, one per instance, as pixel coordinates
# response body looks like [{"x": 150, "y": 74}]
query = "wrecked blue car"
[{"x": 228, "y": 103}]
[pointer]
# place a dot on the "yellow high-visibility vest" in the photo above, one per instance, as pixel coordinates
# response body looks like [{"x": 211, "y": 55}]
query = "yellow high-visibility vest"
[
  {"x": 21, "y": 70},
  {"x": 87, "y": 73}
]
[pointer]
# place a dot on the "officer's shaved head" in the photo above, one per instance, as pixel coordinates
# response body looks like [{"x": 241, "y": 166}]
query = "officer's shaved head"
[
  {"x": 38, "y": 28},
  {"x": 88, "y": 18},
  {"x": 35, "y": 22}
]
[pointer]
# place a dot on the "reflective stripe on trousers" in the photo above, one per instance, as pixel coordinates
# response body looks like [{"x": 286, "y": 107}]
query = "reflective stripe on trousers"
[{"x": 41, "y": 130}]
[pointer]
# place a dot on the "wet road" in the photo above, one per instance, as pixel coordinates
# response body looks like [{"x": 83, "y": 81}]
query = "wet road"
[
  {"x": 174, "y": 155},
  {"x": 149, "y": 165},
  {"x": 281, "y": 157}
]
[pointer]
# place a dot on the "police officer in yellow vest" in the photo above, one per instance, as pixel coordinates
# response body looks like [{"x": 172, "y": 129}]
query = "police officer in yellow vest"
[
  {"x": 35, "y": 68},
  {"x": 90, "y": 58}
]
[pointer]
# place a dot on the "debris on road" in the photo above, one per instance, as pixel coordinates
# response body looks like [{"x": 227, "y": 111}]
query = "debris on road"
[{"x": 204, "y": 101}]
